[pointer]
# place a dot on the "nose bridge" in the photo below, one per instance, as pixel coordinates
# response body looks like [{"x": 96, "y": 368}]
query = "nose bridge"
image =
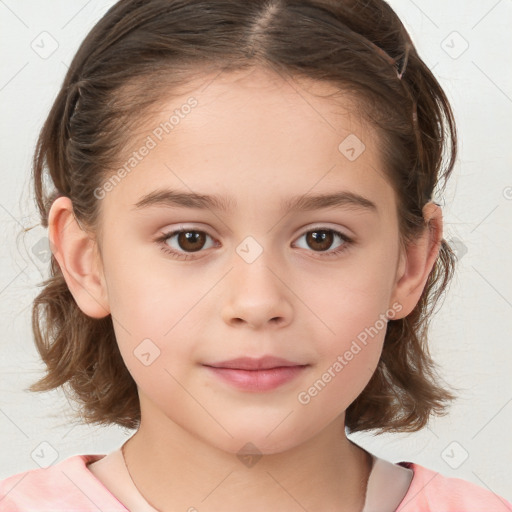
[{"x": 256, "y": 294}]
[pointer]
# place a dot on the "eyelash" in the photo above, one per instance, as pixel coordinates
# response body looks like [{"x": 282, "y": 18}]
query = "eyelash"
[{"x": 187, "y": 256}]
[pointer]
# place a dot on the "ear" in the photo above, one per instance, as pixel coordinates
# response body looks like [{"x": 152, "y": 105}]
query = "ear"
[
  {"x": 79, "y": 261},
  {"x": 417, "y": 261}
]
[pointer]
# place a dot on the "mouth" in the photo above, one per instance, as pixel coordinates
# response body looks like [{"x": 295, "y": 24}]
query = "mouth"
[{"x": 256, "y": 374}]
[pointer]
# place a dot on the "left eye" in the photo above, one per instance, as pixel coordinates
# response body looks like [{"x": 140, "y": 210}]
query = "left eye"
[{"x": 323, "y": 238}]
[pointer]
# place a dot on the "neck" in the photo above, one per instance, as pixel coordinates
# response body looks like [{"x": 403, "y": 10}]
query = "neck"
[{"x": 174, "y": 470}]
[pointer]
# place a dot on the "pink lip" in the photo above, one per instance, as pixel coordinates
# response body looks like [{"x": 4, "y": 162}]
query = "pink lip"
[
  {"x": 261, "y": 374},
  {"x": 251, "y": 363}
]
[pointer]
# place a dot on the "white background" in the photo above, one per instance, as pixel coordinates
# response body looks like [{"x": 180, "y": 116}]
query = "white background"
[{"x": 471, "y": 335}]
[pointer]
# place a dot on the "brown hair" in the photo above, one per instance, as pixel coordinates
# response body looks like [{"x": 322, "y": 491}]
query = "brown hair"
[{"x": 141, "y": 50}]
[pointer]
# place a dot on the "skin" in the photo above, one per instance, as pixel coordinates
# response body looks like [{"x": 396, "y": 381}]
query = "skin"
[{"x": 258, "y": 138}]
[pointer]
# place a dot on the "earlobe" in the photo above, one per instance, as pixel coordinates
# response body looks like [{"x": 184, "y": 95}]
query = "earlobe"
[
  {"x": 417, "y": 260},
  {"x": 78, "y": 260}
]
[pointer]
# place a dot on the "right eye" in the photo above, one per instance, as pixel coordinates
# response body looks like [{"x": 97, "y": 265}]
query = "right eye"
[{"x": 186, "y": 240}]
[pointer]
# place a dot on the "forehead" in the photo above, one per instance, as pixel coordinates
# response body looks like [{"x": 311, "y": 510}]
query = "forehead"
[
  {"x": 257, "y": 132},
  {"x": 260, "y": 89}
]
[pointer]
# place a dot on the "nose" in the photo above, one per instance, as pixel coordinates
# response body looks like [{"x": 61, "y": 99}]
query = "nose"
[{"x": 257, "y": 295}]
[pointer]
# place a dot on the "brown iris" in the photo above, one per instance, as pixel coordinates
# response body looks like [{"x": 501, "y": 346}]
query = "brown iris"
[
  {"x": 324, "y": 237},
  {"x": 191, "y": 240}
]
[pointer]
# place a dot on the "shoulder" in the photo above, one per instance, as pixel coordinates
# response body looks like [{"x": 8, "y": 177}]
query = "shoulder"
[
  {"x": 67, "y": 485},
  {"x": 431, "y": 491}
]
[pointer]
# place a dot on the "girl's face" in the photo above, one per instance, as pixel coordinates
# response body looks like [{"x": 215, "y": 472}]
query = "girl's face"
[{"x": 264, "y": 269}]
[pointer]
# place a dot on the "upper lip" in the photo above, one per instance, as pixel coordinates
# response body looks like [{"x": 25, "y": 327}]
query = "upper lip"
[{"x": 249, "y": 363}]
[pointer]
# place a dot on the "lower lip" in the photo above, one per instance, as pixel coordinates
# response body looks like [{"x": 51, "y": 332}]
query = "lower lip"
[{"x": 258, "y": 380}]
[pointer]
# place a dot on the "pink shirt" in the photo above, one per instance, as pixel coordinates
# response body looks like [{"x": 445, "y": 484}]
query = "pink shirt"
[{"x": 70, "y": 486}]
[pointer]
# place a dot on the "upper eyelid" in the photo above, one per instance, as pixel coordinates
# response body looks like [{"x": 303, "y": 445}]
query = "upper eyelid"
[{"x": 195, "y": 227}]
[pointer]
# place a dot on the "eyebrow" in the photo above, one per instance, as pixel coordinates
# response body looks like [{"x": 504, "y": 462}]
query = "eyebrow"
[{"x": 173, "y": 198}]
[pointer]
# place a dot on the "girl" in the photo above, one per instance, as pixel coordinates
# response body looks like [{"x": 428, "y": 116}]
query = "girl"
[{"x": 246, "y": 255}]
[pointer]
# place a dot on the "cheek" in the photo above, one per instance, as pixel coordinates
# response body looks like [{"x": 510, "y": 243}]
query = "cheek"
[
  {"x": 345, "y": 369},
  {"x": 154, "y": 318},
  {"x": 347, "y": 300},
  {"x": 152, "y": 298},
  {"x": 350, "y": 305}
]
